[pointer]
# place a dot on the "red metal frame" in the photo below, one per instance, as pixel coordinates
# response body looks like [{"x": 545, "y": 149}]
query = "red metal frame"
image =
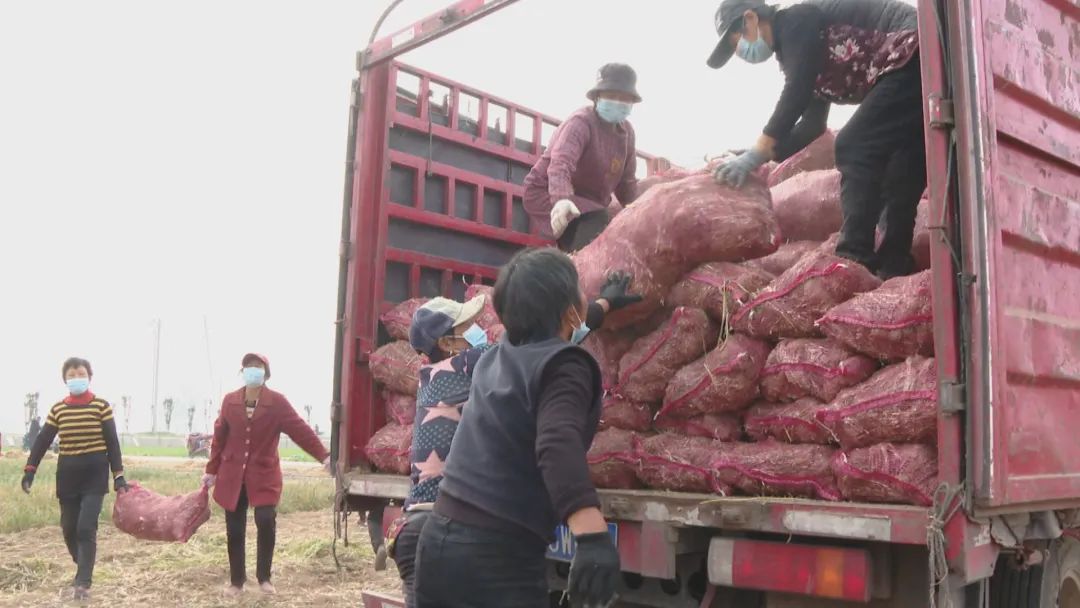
[
  {"x": 969, "y": 552},
  {"x": 1018, "y": 114},
  {"x": 437, "y": 25},
  {"x": 369, "y": 167},
  {"x": 372, "y": 212}
]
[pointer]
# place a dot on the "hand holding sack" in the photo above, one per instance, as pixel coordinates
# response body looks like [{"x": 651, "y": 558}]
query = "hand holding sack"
[
  {"x": 561, "y": 214},
  {"x": 735, "y": 172},
  {"x": 616, "y": 292}
]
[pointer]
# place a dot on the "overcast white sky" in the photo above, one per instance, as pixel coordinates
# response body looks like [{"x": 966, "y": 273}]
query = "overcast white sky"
[{"x": 184, "y": 160}]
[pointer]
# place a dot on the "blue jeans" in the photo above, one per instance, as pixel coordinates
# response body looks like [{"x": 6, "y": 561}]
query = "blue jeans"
[
  {"x": 405, "y": 554},
  {"x": 459, "y": 566}
]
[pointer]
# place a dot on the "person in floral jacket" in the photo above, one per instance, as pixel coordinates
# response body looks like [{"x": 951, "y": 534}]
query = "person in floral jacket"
[{"x": 863, "y": 52}]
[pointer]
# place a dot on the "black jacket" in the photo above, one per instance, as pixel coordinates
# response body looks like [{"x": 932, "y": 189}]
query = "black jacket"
[{"x": 518, "y": 459}]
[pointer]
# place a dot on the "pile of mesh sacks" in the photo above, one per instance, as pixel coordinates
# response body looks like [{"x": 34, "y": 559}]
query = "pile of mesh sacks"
[{"x": 759, "y": 363}]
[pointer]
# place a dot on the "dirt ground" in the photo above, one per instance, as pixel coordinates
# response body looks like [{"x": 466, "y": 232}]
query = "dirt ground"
[{"x": 36, "y": 571}]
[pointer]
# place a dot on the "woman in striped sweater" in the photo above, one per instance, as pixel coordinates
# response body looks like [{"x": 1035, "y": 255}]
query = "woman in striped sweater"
[{"x": 89, "y": 447}]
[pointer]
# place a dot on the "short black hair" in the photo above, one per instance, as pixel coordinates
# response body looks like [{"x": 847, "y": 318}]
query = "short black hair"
[
  {"x": 532, "y": 293},
  {"x": 76, "y": 363}
]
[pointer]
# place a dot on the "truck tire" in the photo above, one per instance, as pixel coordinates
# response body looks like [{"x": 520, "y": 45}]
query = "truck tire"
[{"x": 1054, "y": 584}]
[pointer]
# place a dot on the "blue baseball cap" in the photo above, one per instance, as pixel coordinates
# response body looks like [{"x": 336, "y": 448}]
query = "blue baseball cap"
[{"x": 438, "y": 318}]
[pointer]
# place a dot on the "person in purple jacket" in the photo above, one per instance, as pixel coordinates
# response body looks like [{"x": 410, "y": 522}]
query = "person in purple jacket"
[{"x": 591, "y": 156}]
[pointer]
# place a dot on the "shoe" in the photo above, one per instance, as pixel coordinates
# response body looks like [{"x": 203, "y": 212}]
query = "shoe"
[
  {"x": 267, "y": 588},
  {"x": 898, "y": 267},
  {"x": 81, "y": 594},
  {"x": 233, "y": 591}
]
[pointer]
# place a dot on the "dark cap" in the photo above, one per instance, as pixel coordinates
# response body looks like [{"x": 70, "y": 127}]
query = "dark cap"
[
  {"x": 729, "y": 15},
  {"x": 617, "y": 77}
]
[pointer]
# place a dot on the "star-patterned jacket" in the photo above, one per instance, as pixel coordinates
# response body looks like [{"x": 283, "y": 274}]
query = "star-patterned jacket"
[{"x": 444, "y": 389}]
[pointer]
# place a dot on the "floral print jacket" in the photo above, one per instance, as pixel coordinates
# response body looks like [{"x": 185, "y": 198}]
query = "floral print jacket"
[{"x": 856, "y": 58}]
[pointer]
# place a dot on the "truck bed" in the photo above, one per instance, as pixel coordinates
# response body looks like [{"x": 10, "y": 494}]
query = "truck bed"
[{"x": 790, "y": 516}]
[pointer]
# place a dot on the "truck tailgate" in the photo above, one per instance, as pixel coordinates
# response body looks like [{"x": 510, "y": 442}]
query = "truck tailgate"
[{"x": 789, "y": 516}]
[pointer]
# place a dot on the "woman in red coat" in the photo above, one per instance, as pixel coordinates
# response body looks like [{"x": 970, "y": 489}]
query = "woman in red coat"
[{"x": 245, "y": 469}]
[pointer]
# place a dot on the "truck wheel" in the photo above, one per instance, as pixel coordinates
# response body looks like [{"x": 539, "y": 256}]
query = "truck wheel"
[{"x": 1054, "y": 584}]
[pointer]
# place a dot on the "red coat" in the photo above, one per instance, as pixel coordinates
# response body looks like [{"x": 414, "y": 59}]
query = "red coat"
[{"x": 245, "y": 452}]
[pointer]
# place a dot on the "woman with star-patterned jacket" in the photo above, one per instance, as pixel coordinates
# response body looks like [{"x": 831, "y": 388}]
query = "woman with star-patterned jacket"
[{"x": 445, "y": 331}]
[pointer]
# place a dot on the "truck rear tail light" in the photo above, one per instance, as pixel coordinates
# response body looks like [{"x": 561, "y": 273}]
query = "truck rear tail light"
[{"x": 830, "y": 572}]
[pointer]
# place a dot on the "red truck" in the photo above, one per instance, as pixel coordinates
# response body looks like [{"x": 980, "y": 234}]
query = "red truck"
[{"x": 433, "y": 203}]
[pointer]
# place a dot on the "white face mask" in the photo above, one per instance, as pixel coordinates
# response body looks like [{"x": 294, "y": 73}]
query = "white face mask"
[
  {"x": 253, "y": 376},
  {"x": 475, "y": 336},
  {"x": 580, "y": 332},
  {"x": 613, "y": 111},
  {"x": 757, "y": 51}
]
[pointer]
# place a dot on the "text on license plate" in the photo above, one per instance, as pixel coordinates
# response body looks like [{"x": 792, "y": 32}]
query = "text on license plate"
[{"x": 564, "y": 546}]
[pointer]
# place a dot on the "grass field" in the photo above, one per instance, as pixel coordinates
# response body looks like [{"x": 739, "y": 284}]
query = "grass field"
[{"x": 35, "y": 569}]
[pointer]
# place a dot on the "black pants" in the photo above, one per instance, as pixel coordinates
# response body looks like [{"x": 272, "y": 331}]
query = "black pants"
[
  {"x": 881, "y": 156},
  {"x": 236, "y": 532},
  {"x": 459, "y": 566},
  {"x": 405, "y": 555},
  {"x": 79, "y": 521},
  {"x": 583, "y": 230}
]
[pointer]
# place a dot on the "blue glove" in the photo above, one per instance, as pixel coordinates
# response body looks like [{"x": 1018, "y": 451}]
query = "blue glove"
[{"x": 735, "y": 171}]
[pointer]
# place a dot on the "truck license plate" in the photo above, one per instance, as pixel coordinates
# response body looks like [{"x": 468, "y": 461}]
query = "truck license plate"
[{"x": 564, "y": 546}]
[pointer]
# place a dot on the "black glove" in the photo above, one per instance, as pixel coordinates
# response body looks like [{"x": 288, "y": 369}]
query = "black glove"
[
  {"x": 615, "y": 292},
  {"x": 120, "y": 484},
  {"x": 594, "y": 571},
  {"x": 27, "y": 481}
]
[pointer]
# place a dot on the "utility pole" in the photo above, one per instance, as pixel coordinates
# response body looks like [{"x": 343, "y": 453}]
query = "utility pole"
[
  {"x": 307, "y": 411},
  {"x": 157, "y": 361},
  {"x": 191, "y": 419}
]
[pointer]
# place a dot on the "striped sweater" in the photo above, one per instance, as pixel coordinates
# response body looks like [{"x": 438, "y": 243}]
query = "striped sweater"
[{"x": 85, "y": 426}]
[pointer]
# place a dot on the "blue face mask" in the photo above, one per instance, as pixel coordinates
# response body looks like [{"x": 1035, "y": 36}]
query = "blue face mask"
[
  {"x": 253, "y": 376},
  {"x": 475, "y": 336},
  {"x": 753, "y": 52},
  {"x": 613, "y": 111},
  {"x": 580, "y": 333},
  {"x": 78, "y": 386}
]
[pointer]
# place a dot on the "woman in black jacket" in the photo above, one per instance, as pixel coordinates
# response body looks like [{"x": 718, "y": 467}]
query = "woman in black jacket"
[
  {"x": 863, "y": 52},
  {"x": 517, "y": 465}
]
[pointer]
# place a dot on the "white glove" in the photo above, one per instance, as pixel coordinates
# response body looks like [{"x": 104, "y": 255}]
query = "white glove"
[
  {"x": 561, "y": 214},
  {"x": 209, "y": 480}
]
